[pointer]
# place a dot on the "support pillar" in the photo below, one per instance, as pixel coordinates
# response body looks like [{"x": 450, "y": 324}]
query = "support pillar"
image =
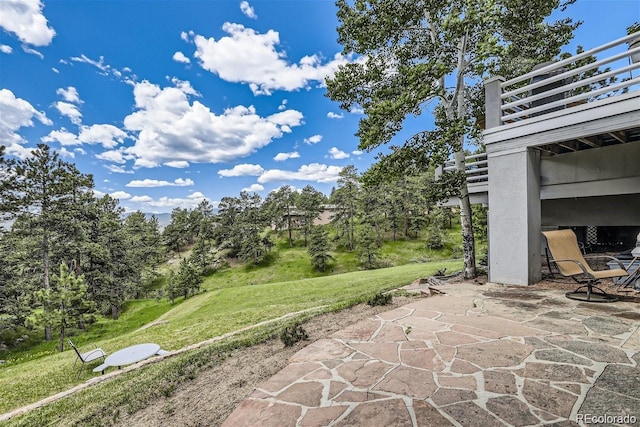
[{"x": 514, "y": 217}]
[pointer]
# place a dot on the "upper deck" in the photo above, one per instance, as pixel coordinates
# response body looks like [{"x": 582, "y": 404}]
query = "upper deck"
[{"x": 567, "y": 106}]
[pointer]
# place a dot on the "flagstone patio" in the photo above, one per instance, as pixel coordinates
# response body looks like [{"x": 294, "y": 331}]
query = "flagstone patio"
[{"x": 476, "y": 355}]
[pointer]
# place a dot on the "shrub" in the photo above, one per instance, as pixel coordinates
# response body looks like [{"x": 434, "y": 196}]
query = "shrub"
[
  {"x": 293, "y": 334},
  {"x": 380, "y": 299}
]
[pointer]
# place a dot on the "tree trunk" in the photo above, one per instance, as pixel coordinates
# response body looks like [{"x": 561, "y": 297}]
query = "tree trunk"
[
  {"x": 61, "y": 341},
  {"x": 48, "y": 334},
  {"x": 466, "y": 217},
  {"x": 115, "y": 314},
  {"x": 289, "y": 226},
  {"x": 466, "y": 221}
]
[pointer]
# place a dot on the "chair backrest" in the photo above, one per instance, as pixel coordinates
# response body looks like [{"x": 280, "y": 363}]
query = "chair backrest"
[
  {"x": 75, "y": 349},
  {"x": 563, "y": 244}
]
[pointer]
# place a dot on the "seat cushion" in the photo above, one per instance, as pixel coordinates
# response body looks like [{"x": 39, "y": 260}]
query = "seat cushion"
[{"x": 605, "y": 274}]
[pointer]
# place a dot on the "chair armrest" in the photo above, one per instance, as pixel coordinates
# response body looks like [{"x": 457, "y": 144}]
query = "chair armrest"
[{"x": 614, "y": 259}]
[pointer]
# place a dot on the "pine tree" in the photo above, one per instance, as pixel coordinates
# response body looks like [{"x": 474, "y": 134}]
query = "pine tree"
[
  {"x": 310, "y": 205},
  {"x": 319, "y": 248},
  {"x": 368, "y": 248},
  {"x": 346, "y": 197},
  {"x": 67, "y": 301},
  {"x": 43, "y": 194}
]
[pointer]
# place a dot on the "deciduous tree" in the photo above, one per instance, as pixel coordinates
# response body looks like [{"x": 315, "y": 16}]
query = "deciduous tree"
[{"x": 412, "y": 52}]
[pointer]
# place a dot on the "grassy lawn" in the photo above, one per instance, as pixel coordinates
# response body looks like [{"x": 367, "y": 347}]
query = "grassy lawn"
[{"x": 230, "y": 302}]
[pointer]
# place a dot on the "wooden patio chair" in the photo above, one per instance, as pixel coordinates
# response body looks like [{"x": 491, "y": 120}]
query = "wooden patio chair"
[
  {"x": 568, "y": 258},
  {"x": 87, "y": 356}
]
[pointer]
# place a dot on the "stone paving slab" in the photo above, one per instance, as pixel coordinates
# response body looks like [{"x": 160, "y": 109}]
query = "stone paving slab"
[{"x": 476, "y": 355}]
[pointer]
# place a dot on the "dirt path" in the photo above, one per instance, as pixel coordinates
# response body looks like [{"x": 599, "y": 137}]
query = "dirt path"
[{"x": 208, "y": 399}]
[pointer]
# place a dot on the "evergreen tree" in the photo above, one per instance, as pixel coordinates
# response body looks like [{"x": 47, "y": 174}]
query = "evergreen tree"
[
  {"x": 7, "y": 195},
  {"x": 309, "y": 204},
  {"x": 109, "y": 263},
  {"x": 201, "y": 254},
  {"x": 67, "y": 301},
  {"x": 280, "y": 206},
  {"x": 42, "y": 194},
  {"x": 228, "y": 211},
  {"x": 319, "y": 248},
  {"x": 172, "y": 288},
  {"x": 15, "y": 286},
  {"x": 179, "y": 232},
  {"x": 346, "y": 197},
  {"x": 368, "y": 249},
  {"x": 188, "y": 280},
  {"x": 252, "y": 246}
]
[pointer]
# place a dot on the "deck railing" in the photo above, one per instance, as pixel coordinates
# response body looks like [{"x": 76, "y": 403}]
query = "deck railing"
[
  {"x": 565, "y": 84},
  {"x": 475, "y": 168}
]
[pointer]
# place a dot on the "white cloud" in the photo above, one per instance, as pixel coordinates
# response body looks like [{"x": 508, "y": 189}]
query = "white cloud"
[
  {"x": 16, "y": 113},
  {"x": 280, "y": 157},
  {"x": 248, "y": 10},
  {"x": 333, "y": 115},
  {"x": 181, "y": 164},
  {"x": 253, "y": 188},
  {"x": 246, "y": 56},
  {"x": 32, "y": 51},
  {"x": 115, "y": 156},
  {"x": 64, "y": 153},
  {"x": 62, "y": 136},
  {"x": 70, "y": 94},
  {"x": 356, "y": 152},
  {"x": 121, "y": 195},
  {"x": 105, "y": 69},
  {"x": 179, "y": 57},
  {"x": 170, "y": 128},
  {"x": 6, "y": 49},
  {"x": 189, "y": 202},
  {"x": 55, "y": 70},
  {"x": 108, "y": 136},
  {"x": 179, "y": 182},
  {"x": 69, "y": 110},
  {"x": 24, "y": 18},
  {"x": 98, "y": 64},
  {"x": 242, "y": 170},
  {"x": 356, "y": 110},
  {"x": 313, "y": 139},
  {"x": 187, "y": 36},
  {"x": 143, "y": 199},
  {"x": 117, "y": 169},
  {"x": 313, "y": 172},
  {"x": 337, "y": 154}
]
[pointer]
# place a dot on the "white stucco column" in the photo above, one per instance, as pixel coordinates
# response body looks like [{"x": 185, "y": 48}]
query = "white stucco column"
[{"x": 514, "y": 217}]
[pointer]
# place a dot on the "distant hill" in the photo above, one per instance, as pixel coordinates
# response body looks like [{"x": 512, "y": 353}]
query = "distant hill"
[{"x": 163, "y": 218}]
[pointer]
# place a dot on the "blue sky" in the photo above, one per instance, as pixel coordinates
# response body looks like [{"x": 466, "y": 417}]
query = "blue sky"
[{"x": 169, "y": 102}]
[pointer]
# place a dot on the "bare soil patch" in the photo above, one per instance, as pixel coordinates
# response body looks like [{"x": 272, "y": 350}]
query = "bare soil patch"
[{"x": 210, "y": 398}]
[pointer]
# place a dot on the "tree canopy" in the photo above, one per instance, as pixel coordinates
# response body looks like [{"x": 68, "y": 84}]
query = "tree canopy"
[{"x": 413, "y": 52}]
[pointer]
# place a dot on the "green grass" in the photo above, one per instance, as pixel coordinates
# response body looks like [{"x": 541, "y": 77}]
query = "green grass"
[
  {"x": 224, "y": 307},
  {"x": 233, "y": 298}
]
